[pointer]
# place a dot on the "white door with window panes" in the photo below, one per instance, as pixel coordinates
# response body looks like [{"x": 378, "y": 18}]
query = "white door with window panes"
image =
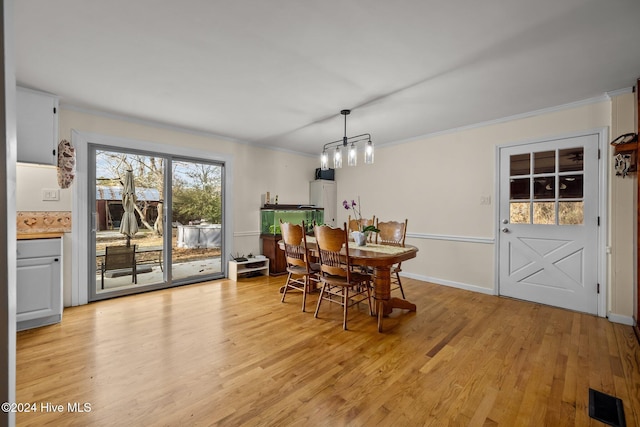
[{"x": 548, "y": 230}]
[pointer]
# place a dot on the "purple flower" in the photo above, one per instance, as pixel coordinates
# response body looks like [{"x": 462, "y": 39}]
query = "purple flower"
[{"x": 357, "y": 216}]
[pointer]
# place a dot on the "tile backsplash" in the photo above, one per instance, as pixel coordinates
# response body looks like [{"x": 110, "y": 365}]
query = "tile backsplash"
[{"x": 43, "y": 222}]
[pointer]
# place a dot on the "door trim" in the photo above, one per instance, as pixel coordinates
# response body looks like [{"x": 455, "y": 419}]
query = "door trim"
[
  {"x": 603, "y": 173},
  {"x": 80, "y": 209}
]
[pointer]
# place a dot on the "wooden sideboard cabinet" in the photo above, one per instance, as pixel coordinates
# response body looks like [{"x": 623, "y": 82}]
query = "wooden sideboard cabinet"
[{"x": 270, "y": 249}]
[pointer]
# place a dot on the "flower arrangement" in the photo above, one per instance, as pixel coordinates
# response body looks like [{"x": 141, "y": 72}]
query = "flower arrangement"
[{"x": 356, "y": 213}]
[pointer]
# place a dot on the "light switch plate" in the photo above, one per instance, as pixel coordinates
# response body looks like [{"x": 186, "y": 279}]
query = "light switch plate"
[{"x": 50, "y": 194}]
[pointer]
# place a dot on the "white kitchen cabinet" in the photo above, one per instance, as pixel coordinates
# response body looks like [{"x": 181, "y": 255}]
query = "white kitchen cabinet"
[
  {"x": 324, "y": 194},
  {"x": 39, "y": 283},
  {"x": 37, "y": 126}
]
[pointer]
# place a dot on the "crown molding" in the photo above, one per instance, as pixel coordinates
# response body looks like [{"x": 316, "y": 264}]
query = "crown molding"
[
  {"x": 535, "y": 113},
  {"x": 602, "y": 98},
  {"x": 173, "y": 128},
  {"x": 618, "y": 92}
]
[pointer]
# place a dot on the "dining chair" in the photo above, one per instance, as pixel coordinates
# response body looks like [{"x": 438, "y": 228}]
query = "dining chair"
[
  {"x": 302, "y": 273},
  {"x": 393, "y": 233},
  {"x": 358, "y": 224},
  {"x": 119, "y": 258},
  {"x": 340, "y": 284}
]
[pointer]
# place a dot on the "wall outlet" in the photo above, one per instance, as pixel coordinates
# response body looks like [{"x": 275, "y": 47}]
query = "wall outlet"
[
  {"x": 50, "y": 194},
  {"x": 485, "y": 200}
]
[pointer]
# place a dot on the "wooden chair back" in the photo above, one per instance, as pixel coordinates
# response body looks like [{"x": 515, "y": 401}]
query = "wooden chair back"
[
  {"x": 330, "y": 242},
  {"x": 295, "y": 244},
  {"x": 391, "y": 232},
  {"x": 117, "y": 257},
  {"x": 357, "y": 225}
]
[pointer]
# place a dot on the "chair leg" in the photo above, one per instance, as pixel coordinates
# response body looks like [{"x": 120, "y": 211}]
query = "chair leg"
[
  {"x": 345, "y": 300},
  {"x": 286, "y": 286},
  {"x": 102, "y": 281},
  {"x": 324, "y": 285},
  {"x": 400, "y": 285},
  {"x": 369, "y": 299},
  {"x": 304, "y": 292}
]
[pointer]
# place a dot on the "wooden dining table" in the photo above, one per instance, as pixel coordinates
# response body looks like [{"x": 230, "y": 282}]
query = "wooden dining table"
[{"x": 381, "y": 258}]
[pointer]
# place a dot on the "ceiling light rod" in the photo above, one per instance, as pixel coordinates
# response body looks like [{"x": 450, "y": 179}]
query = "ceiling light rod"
[
  {"x": 352, "y": 157},
  {"x": 346, "y": 140}
]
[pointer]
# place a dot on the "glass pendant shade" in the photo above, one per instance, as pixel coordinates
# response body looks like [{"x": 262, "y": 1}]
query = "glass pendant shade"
[
  {"x": 368, "y": 153},
  {"x": 347, "y": 146},
  {"x": 324, "y": 161},
  {"x": 352, "y": 159},
  {"x": 337, "y": 158}
]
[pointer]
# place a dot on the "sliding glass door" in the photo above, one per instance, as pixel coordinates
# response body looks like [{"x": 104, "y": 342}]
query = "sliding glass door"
[
  {"x": 156, "y": 222},
  {"x": 196, "y": 211}
]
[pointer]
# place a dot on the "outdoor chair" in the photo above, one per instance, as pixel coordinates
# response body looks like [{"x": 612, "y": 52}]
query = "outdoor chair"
[{"x": 119, "y": 258}]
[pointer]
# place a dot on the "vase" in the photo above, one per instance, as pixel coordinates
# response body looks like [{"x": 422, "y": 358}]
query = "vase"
[{"x": 359, "y": 237}]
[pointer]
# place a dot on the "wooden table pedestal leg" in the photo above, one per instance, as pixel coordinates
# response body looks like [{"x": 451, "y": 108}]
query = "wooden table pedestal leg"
[
  {"x": 386, "y": 304},
  {"x": 382, "y": 287}
]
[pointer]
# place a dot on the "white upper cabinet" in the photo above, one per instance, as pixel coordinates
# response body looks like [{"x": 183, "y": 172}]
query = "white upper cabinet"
[{"x": 37, "y": 126}]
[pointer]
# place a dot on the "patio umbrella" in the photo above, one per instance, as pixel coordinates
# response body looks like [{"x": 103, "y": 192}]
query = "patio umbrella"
[{"x": 129, "y": 223}]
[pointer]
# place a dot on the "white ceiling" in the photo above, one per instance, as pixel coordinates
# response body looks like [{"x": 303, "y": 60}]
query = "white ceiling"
[{"x": 278, "y": 72}]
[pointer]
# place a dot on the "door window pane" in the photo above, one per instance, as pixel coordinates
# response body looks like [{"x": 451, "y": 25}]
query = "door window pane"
[
  {"x": 547, "y": 187},
  {"x": 544, "y": 162},
  {"x": 571, "y": 159},
  {"x": 519, "y": 213},
  {"x": 520, "y": 164},
  {"x": 544, "y": 187},
  {"x": 571, "y": 187},
  {"x": 544, "y": 213},
  {"x": 520, "y": 189},
  {"x": 571, "y": 213}
]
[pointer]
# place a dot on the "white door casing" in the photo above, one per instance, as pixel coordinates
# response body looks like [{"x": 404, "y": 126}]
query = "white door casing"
[{"x": 548, "y": 213}]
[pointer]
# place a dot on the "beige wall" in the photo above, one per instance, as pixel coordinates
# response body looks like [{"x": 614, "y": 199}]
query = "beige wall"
[
  {"x": 623, "y": 194},
  {"x": 444, "y": 184},
  {"x": 31, "y": 180}
]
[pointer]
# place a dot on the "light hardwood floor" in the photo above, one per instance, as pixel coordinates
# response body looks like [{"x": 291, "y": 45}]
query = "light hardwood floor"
[{"x": 222, "y": 353}]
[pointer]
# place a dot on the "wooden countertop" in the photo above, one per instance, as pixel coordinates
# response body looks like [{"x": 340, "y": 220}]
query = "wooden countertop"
[{"x": 31, "y": 236}]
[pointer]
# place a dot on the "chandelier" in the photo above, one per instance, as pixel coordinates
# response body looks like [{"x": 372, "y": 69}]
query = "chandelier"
[{"x": 350, "y": 145}]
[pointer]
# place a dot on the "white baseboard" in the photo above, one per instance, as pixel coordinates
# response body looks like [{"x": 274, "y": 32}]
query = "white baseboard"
[
  {"x": 613, "y": 317},
  {"x": 618, "y": 318},
  {"x": 450, "y": 283}
]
